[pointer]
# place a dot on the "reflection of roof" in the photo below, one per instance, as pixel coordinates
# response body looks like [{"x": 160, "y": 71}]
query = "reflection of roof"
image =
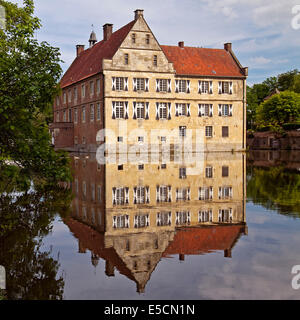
[
  {"x": 201, "y": 240},
  {"x": 202, "y": 61},
  {"x": 89, "y": 61}
]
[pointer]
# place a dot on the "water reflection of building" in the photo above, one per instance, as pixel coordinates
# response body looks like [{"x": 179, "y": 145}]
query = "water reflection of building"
[{"x": 132, "y": 215}]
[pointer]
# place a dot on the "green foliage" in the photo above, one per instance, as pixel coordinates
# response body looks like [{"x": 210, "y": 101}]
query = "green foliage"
[
  {"x": 29, "y": 73},
  {"x": 279, "y": 109},
  {"x": 286, "y": 80}
]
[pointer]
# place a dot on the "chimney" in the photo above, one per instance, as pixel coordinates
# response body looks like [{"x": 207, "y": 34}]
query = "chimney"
[
  {"x": 228, "y": 46},
  {"x": 245, "y": 70},
  {"x": 227, "y": 253},
  {"x": 181, "y": 256},
  {"x": 79, "y": 49},
  {"x": 181, "y": 44},
  {"x": 107, "y": 31},
  {"x": 138, "y": 13}
]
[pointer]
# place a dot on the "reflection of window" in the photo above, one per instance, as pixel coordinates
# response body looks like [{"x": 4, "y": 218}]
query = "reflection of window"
[
  {"x": 182, "y": 194},
  {"x": 141, "y": 194},
  {"x": 182, "y": 131},
  {"x": 163, "y": 218},
  {"x": 183, "y": 217},
  {"x": 141, "y": 221},
  {"x": 205, "y": 193},
  {"x": 182, "y": 173},
  {"x": 225, "y": 215},
  {"x": 121, "y": 221},
  {"x": 205, "y": 216}
]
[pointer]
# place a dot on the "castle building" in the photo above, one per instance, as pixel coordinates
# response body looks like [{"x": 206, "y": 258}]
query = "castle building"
[{"x": 131, "y": 84}]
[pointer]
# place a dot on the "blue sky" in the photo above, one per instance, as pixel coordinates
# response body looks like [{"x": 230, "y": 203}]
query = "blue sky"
[{"x": 260, "y": 30}]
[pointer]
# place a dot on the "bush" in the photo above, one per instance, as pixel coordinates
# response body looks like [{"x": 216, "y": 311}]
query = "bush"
[{"x": 291, "y": 126}]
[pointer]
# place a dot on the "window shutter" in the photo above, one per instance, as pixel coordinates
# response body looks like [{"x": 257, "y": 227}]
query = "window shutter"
[
  {"x": 220, "y": 110},
  {"x": 134, "y": 195},
  {"x": 157, "y": 85},
  {"x": 230, "y": 214},
  {"x": 134, "y": 84},
  {"x": 113, "y": 110},
  {"x": 169, "y": 85},
  {"x": 157, "y": 194},
  {"x": 210, "y": 215},
  {"x": 147, "y": 111},
  {"x": 147, "y": 220},
  {"x": 199, "y": 193},
  {"x": 230, "y": 110},
  {"x": 199, "y": 86},
  {"x": 210, "y": 110},
  {"x": 114, "y": 196},
  {"x": 169, "y": 193},
  {"x": 126, "y": 195},
  {"x": 177, "y": 218},
  {"x": 169, "y": 111},
  {"x": 176, "y": 109},
  {"x": 176, "y": 86},
  {"x": 169, "y": 218},
  {"x": 146, "y": 84},
  {"x": 127, "y": 221},
  {"x": 135, "y": 221},
  {"x": 230, "y": 87},
  {"x": 126, "y": 84},
  {"x": 114, "y": 221},
  {"x": 134, "y": 110},
  {"x": 188, "y": 110},
  {"x": 220, "y": 193},
  {"x": 188, "y": 193},
  {"x": 158, "y": 219},
  {"x": 147, "y": 194},
  {"x": 210, "y": 192},
  {"x": 188, "y": 217},
  {"x": 188, "y": 86},
  {"x": 126, "y": 110},
  {"x": 199, "y": 110},
  {"x": 210, "y": 87},
  {"x": 177, "y": 194},
  {"x": 220, "y": 215},
  {"x": 157, "y": 111},
  {"x": 230, "y": 192},
  {"x": 113, "y": 83},
  {"x": 220, "y": 87}
]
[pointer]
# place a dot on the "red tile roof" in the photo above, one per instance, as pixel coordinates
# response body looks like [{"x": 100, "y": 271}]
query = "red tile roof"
[
  {"x": 89, "y": 61},
  {"x": 202, "y": 61},
  {"x": 201, "y": 240}
]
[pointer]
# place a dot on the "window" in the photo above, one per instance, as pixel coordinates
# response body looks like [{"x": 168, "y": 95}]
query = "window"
[
  {"x": 147, "y": 38},
  {"x": 140, "y": 110},
  {"x": 92, "y": 113},
  {"x": 205, "y": 110},
  {"x": 98, "y": 111},
  {"x": 205, "y": 215},
  {"x": 120, "y": 167},
  {"x": 98, "y": 86},
  {"x": 119, "y": 110},
  {"x": 225, "y": 110},
  {"x": 91, "y": 88},
  {"x": 120, "y": 139},
  {"x": 182, "y": 109},
  {"x": 141, "y": 195},
  {"x": 64, "y": 116},
  {"x": 225, "y": 171},
  {"x": 205, "y": 87},
  {"x": 162, "y": 111},
  {"x": 163, "y": 194},
  {"x": 75, "y": 94},
  {"x": 65, "y": 98},
  {"x": 126, "y": 58},
  {"x": 163, "y": 166},
  {"x": 83, "y": 140},
  {"x": 69, "y": 96},
  {"x": 141, "y": 167},
  {"x": 225, "y": 87},
  {"x": 57, "y": 101},
  {"x": 140, "y": 139},
  {"x": 183, "y": 218},
  {"x": 120, "y": 221},
  {"x": 155, "y": 60},
  {"x": 209, "y": 172},
  {"x": 75, "y": 140},
  {"x": 140, "y": 84},
  {"x": 182, "y": 131},
  {"x": 225, "y": 215},
  {"x": 182, "y": 194},
  {"x": 83, "y": 115},
  {"x": 163, "y": 85},
  {"x": 205, "y": 193},
  {"x": 99, "y": 193},
  {"x": 57, "y": 116},
  {"x": 208, "y": 131},
  {"x": 119, "y": 83},
  {"x": 70, "y": 115},
  {"x": 225, "y": 193},
  {"x": 120, "y": 195},
  {"x": 163, "y": 219},
  {"x": 182, "y": 86},
  {"x": 141, "y": 220},
  {"x": 75, "y": 115},
  {"x": 182, "y": 173},
  {"x": 163, "y": 139},
  {"x": 82, "y": 90},
  {"x": 225, "y": 132},
  {"x": 133, "y": 37}
]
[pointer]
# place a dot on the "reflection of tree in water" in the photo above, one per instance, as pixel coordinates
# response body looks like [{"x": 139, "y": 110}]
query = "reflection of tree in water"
[
  {"x": 275, "y": 188},
  {"x": 25, "y": 218}
]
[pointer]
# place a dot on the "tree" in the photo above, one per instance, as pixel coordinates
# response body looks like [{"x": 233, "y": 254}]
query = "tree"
[
  {"x": 271, "y": 83},
  {"x": 279, "y": 109},
  {"x": 29, "y": 73},
  {"x": 296, "y": 85},
  {"x": 286, "y": 80}
]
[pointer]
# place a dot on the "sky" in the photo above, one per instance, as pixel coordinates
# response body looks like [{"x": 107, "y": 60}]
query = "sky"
[{"x": 265, "y": 34}]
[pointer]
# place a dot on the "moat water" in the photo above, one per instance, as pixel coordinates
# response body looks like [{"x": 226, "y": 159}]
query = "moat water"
[{"x": 237, "y": 239}]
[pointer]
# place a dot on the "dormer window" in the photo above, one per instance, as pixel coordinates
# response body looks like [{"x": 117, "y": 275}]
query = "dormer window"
[
  {"x": 148, "y": 39},
  {"x": 155, "y": 61},
  {"x": 133, "y": 37},
  {"x": 126, "y": 58}
]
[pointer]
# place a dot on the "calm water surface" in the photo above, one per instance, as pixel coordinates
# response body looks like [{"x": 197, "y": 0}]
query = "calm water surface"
[{"x": 224, "y": 227}]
